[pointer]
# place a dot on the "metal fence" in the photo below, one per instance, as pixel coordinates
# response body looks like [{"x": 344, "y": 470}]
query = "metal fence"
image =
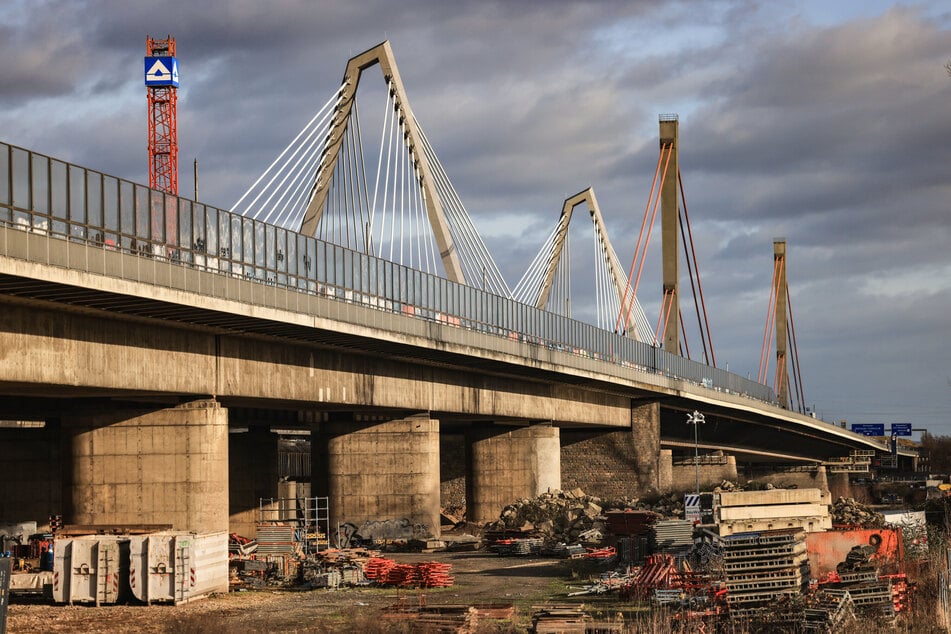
[{"x": 44, "y": 195}]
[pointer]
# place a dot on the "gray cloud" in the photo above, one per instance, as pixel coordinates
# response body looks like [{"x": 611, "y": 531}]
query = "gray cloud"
[{"x": 836, "y": 137}]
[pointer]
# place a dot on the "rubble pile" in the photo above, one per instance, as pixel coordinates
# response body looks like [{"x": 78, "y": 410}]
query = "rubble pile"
[
  {"x": 572, "y": 516},
  {"x": 556, "y": 516},
  {"x": 848, "y": 512}
]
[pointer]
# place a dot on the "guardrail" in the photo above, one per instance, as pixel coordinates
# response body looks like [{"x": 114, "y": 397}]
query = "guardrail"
[{"x": 43, "y": 195}]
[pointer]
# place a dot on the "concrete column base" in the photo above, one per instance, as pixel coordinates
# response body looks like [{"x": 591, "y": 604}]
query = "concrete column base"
[
  {"x": 645, "y": 435},
  {"x": 785, "y": 477},
  {"x": 665, "y": 471},
  {"x": 167, "y": 466},
  {"x": 507, "y": 463},
  {"x": 839, "y": 485},
  {"x": 382, "y": 478},
  {"x": 712, "y": 472}
]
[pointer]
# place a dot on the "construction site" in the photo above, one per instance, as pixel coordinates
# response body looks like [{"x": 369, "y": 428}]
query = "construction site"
[
  {"x": 758, "y": 560},
  {"x": 203, "y": 440}
]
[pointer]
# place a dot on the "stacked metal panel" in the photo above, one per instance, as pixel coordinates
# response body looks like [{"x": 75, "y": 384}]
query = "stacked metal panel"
[
  {"x": 674, "y": 537},
  {"x": 870, "y": 597},
  {"x": 276, "y": 538},
  {"x": 760, "y": 567}
]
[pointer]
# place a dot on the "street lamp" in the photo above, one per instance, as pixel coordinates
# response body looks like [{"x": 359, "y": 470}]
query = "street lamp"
[{"x": 696, "y": 419}]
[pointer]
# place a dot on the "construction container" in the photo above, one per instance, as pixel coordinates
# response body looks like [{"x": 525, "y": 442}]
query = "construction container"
[
  {"x": 88, "y": 569},
  {"x": 177, "y": 567}
]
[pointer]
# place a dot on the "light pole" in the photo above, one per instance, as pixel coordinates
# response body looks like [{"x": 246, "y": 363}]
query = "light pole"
[{"x": 696, "y": 419}]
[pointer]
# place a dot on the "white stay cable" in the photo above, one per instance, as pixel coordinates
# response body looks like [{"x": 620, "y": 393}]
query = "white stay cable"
[
  {"x": 334, "y": 100},
  {"x": 529, "y": 286},
  {"x": 460, "y": 224}
]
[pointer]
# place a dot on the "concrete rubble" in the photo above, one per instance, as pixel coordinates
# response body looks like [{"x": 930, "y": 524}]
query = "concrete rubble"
[
  {"x": 570, "y": 517},
  {"x": 705, "y": 574},
  {"x": 848, "y": 512}
]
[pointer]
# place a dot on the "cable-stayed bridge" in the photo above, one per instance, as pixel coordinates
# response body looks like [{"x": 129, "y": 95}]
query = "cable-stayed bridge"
[{"x": 351, "y": 297}]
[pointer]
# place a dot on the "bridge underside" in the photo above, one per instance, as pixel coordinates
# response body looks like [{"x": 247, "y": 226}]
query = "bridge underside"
[{"x": 126, "y": 373}]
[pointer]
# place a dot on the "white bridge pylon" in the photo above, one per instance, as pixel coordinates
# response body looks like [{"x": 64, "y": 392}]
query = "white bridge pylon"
[
  {"x": 546, "y": 283},
  {"x": 393, "y": 200}
]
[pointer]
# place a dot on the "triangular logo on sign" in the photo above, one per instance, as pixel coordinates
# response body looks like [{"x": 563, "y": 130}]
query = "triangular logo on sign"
[
  {"x": 159, "y": 72},
  {"x": 175, "y": 71}
]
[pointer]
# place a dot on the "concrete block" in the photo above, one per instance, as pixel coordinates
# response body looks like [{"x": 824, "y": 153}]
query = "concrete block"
[
  {"x": 772, "y": 511},
  {"x": 772, "y": 496}
]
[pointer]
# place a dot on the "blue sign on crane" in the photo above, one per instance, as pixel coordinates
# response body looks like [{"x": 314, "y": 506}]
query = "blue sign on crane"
[
  {"x": 161, "y": 71},
  {"x": 901, "y": 429},
  {"x": 869, "y": 429}
]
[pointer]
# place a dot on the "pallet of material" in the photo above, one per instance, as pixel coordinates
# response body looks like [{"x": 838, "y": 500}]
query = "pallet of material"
[
  {"x": 746, "y": 551},
  {"x": 739, "y": 567}
]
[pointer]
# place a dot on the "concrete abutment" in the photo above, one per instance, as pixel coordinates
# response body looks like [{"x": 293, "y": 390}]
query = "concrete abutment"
[
  {"x": 615, "y": 463},
  {"x": 166, "y": 466},
  {"x": 380, "y": 477},
  {"x": 507, "y": 463}
]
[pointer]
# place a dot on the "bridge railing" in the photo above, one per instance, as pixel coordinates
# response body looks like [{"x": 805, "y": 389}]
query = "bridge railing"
[{"x": 44, "y": 195}]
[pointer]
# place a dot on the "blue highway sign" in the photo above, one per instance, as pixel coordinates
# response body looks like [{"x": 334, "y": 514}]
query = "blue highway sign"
[
  {"x": 869, "y": 429},
  {"x": 901, "y": 429}
]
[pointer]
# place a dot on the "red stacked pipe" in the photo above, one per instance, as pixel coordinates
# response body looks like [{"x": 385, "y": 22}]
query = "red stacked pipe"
[
  {"x": 377, "y": 568},
  {"x": 433, "y": 574},
  {"x": 402, "y": 575}
]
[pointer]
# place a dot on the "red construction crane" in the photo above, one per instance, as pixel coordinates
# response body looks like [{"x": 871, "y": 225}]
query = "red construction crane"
[{"x": 161, "y": 81}]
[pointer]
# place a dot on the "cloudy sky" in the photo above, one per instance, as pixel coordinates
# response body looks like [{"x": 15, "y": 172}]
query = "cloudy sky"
[{"x": 826, "y": 123}]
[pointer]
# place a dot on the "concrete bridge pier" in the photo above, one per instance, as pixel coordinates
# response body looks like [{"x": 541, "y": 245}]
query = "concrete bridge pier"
[
  {"x": 148, "y": 466},
  {"x": 382, "y": 477},
  {"x": 615, "y": 463},
  {"x": 506, "y": 463}
]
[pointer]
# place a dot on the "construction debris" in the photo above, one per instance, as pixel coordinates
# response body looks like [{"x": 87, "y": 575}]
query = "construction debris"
[{"x": 848, "y": 512}]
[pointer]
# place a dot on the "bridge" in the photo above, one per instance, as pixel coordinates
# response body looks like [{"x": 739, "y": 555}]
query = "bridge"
[{"x": 151, "y": 346}]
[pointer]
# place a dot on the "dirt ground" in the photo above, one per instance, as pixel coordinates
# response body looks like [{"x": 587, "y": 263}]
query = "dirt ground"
[{"x": 480, "y": 578}]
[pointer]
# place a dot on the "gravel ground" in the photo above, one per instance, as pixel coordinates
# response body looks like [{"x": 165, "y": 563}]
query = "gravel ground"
[{"x": 480, "y": 578}]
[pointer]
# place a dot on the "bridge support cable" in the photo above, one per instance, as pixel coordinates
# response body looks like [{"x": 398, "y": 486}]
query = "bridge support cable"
[
  {"x": 650, "y": 229},
  {"x": 477, "y": 263},
  {"x": 409, "y": 213},
  {"x": 622, "y": 316},
  {"x": 797, "y": 368},
  {"x": 768, "y": 331},
  {"x": 529, "y": 286},
  {"x": 693, "y": 289},
  {"x": 664, "y": 316},
  {"x": 703, "y": 324},
  {"x": 382, "y": 55},
  {"x": 684, "y": 344},
  {"x": 788, "y": 374},
  {"x": 287, "y": 177},
  {"x": 547, "y": 282}
]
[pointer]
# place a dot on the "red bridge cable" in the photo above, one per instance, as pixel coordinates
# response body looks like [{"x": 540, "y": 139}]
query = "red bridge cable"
[
  {"x": 703, "y": 303},
  {"x": 795, "y": 375},
  {"x": 797, "y": 367},
  {"x": 663, "y": 316},
  {"x": 693, "y": 288},
  {"x": 780, "y": 374},
  {"x": 683, "y": 332},
  {"x": 650, "y": 229},
  {"x": 763, "y": 356},
  {"x": 630, "y": 273}
]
